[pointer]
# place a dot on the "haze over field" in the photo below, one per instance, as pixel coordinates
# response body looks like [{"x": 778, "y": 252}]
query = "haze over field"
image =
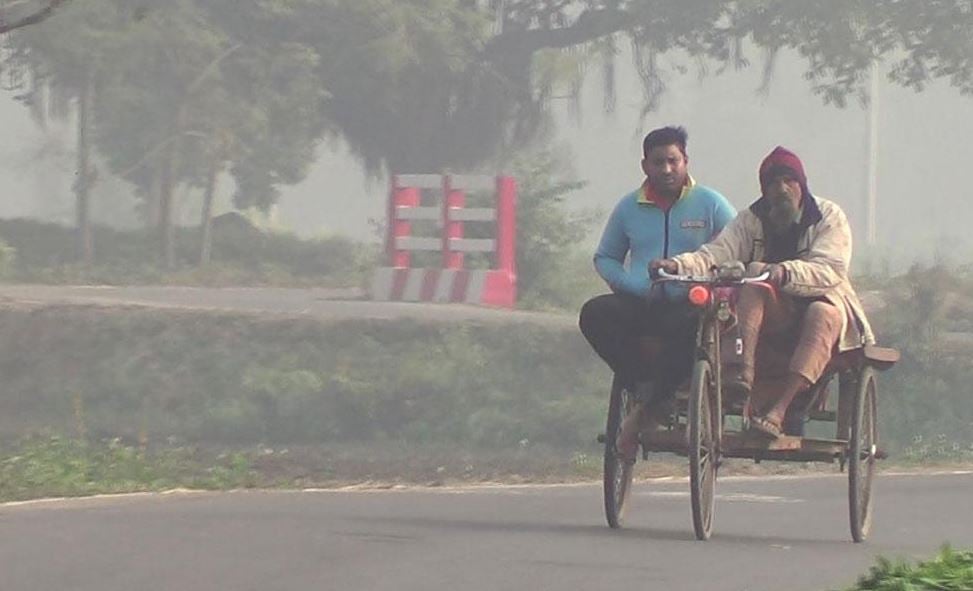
[
  {"x": 922, "y": 151},
  {"x": 151, "y": 118}
]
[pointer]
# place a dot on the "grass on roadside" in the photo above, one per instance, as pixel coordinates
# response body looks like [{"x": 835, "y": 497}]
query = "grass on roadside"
[
  {"x": 53, "y": 466},
  {"x": 950, "y": 570}
]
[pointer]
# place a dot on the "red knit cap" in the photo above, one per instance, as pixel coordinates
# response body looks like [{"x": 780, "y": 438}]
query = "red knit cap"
[{"x": 782, "y": 158}]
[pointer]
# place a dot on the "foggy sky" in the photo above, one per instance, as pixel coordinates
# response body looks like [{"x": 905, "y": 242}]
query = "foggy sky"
[{"x": 923, "y": 147}]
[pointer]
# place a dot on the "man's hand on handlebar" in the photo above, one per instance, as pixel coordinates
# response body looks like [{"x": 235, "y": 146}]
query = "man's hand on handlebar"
[
  {"x": 667, "y": 265},
  {"x": 755, "y": 272},
  {"x": 777, "y": 274}
]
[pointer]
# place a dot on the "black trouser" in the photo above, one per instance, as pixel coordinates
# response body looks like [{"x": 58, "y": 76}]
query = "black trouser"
[{"x": 614, "y": 325}]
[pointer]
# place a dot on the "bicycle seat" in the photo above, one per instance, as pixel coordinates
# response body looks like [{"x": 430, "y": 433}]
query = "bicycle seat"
[{"x": 881, "y": 358}]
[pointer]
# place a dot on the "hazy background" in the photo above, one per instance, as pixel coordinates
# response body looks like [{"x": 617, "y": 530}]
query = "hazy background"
[
  {"x": 923, "y": 157},
  {"x": 194, "y": 386}
]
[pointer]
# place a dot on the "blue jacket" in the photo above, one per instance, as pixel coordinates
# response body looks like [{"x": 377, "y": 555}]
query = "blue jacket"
[{"x": 639, "y": 228}]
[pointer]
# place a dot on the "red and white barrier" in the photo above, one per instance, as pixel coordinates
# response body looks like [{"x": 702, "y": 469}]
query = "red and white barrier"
[{"x": 451, "y": 282}]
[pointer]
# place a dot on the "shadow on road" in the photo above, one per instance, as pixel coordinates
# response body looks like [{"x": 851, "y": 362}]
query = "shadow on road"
[
  {"x": 523, "y": 527},
  {"x": 601, "y": 531}
]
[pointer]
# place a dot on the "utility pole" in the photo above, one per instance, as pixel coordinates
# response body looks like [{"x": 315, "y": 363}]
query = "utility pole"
[{"x": 871, "y": 210}]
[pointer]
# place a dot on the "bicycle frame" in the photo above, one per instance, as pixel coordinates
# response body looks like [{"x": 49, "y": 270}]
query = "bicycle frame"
[{"x": 712, "y": 294}]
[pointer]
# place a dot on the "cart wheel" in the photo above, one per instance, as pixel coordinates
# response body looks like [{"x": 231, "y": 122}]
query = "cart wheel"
[
  {"x": 862, "y": 448},
  {"x": 703, "y": 448},
  {"x": 617, "y": 472}
]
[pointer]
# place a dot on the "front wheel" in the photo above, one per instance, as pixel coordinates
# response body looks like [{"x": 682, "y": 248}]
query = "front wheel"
[
  {"x": 617, "y": 472},
  {"x": 703, "y": 447},
  {"x": 862, "y": 448}
]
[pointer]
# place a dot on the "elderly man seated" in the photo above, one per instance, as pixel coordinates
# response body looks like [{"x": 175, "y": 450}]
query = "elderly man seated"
[{"x": 804, "y": 243}]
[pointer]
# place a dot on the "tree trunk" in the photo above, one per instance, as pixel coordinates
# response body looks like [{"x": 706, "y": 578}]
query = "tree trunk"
[
  {"x": 85, "y": 180},
  {"x": 167, "y": 251},
  {"x": 170, "y": 167},
  {"x": 152, "y": 198},
  {"x": 206, "y": 224}
]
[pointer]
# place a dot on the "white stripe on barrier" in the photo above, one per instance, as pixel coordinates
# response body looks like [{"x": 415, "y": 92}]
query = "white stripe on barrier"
[
  {"x": 389, "y": 284},
  {"x": 473, "y": 182},
  {"x": 474, "y": 291},
  {"x": 420, "y": 181},
  {"x": 417, "y": 243},
  {"x": 404, "y": 212},
  {"x": 444, "y": 287},
  {"x": 472, "y": 214},
  {"x": 472, "y": 244},
  {"x": 413, "y": 285}
]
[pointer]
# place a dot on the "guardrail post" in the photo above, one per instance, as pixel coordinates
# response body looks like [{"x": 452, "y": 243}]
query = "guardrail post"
[
  {"x": 507, "y": 225},
  {"x": 400, "y": 197},
  {"x": 453, "y": 199}
]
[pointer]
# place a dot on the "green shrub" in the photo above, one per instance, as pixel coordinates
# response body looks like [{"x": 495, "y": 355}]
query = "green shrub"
[
  {"x": 924, "y": 401},
  {"x": 554, "y": 268},
  {"x": 950, "y": 571},
  {"x": 238, "y": 380},
  {"x": 235, "y": 379},
  {"x": 51, "y": 465}
]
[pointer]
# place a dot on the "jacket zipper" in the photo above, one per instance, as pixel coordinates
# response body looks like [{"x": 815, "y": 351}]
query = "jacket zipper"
[{"x": 665, "y": 245}]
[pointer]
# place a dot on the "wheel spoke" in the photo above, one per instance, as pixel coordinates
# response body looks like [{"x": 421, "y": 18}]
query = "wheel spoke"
[
  {"x": 702, "y": 449},
  {"x": 862, "y": 455},
  {"x": 617, "y": 471}
]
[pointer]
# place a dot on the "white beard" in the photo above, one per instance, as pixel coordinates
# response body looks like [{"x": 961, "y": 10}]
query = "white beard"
[{"x": 783, "y": 215}]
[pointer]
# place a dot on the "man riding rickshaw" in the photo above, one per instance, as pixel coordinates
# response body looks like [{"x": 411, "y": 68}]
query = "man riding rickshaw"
[
  {"x": 776, "y": 324},
  {"x": 669, "y": 214},
  {"x": 792, "y": 325}
]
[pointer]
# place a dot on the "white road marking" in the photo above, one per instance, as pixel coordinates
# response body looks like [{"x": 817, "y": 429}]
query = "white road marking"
[
  {"x": 483, "y": 488},
  {"x": 731, "y": 497}
]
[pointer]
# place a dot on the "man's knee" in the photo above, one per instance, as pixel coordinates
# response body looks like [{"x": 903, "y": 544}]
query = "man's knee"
[
  {"x": 589, "y": 312},
  {"x": 824, "y": 317},
  {"x": 595, "y": 313},
  {"x": 821, "y": 330}
]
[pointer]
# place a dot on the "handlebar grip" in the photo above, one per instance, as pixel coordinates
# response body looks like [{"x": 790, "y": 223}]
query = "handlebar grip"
[
  {"x": 762, "y": 277},
  {"x": 662, "y": 274}
]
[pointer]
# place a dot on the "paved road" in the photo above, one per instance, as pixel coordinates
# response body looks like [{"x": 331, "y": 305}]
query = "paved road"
[
  {"x": 783, "y": 534},
  {"x": 328, "y": 304}
]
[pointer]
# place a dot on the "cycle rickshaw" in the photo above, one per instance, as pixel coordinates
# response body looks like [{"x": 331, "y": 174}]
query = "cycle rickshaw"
[{"x": 706, "y": 429}]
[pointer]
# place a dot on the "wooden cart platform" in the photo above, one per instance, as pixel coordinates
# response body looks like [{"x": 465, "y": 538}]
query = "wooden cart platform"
[{"x": 754, "y": 446}]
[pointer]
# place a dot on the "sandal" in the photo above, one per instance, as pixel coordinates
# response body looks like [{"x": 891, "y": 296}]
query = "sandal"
[{"x": 766, "y": 426}]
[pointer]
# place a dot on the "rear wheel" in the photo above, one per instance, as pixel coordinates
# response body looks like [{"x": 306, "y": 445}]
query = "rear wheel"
[
  {"x": 862, "y": 448},
  {"x": 703, "y": 448},
  {"x": 617, "y": 472}
]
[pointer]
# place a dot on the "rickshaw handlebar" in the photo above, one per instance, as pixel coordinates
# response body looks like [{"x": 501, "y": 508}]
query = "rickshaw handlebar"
[{"x": 710, "y": 279}]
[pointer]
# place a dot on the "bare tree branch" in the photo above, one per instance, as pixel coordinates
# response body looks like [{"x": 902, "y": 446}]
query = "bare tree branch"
[
  {"x": 20, "y": 13},
  {"x": 588, "y": 26}
]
